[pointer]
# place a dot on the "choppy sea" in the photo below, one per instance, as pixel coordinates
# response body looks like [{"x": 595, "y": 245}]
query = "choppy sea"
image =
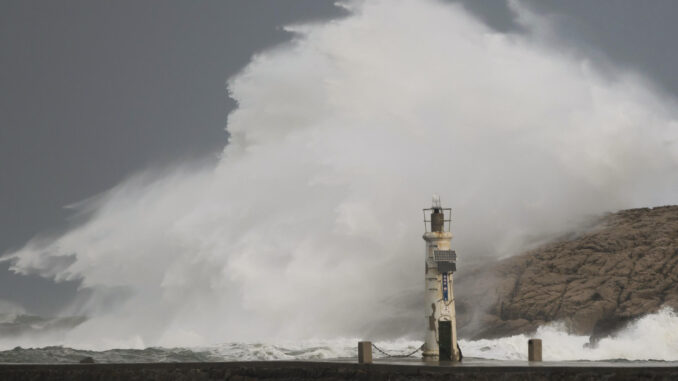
[
  {"x": 651, "y": 339},
  {"x": 488, "y": 352}
]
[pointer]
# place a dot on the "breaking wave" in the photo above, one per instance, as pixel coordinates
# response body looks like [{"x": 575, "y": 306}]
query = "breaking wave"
[
  {"x": 310, "y": 224},
  {"x": 652, "y": 337}
]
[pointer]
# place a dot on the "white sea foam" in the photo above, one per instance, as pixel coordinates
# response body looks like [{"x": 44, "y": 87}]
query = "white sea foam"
[
  {"x": 310, "y": 224},
  {"x": 653, "y": 337}
]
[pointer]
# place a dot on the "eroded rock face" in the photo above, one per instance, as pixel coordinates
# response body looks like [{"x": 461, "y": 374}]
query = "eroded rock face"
[{"x": 623, "y": 268}]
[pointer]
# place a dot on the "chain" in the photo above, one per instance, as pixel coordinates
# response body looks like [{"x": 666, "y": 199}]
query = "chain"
[{"x": 390, "y": 355}]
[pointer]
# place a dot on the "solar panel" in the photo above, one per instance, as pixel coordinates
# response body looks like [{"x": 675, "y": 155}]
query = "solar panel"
[
  {"x": 445, "y": 260},
  {"x": 444, "y": 255},
  {"x": 447, "y": 267}
]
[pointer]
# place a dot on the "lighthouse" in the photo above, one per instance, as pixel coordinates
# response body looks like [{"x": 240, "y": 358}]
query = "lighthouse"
[{"x": 440, "y": 260}]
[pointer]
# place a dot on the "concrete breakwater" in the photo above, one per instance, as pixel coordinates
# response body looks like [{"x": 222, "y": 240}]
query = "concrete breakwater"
[{"x": 294, "y": 370}]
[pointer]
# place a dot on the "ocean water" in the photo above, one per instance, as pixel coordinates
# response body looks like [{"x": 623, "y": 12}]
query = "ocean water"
[{"x": 651, "y": 339}]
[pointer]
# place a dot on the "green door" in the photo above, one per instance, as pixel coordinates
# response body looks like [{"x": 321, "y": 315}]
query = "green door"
[{"x": 445, "y": 340}]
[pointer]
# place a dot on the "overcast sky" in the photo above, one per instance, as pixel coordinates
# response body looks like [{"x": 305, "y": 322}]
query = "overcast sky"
[{"x": 92, "y": 91}]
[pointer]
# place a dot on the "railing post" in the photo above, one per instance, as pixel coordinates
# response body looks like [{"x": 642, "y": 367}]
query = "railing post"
[
  {"x": 534, "y": 350},
  {"x": 365, "y": 352}
]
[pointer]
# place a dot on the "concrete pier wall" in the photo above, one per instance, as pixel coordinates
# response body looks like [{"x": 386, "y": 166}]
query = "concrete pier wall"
[{"x": 292, "y": 370}]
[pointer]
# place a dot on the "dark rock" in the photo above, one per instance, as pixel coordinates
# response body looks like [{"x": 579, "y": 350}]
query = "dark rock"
[
  {"x": 87, "y": 360},
  {"x": 596, "y": 282}
]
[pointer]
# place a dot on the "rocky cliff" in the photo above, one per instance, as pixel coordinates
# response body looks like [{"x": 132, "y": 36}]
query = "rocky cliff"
[{"x": 624, "y": 267}]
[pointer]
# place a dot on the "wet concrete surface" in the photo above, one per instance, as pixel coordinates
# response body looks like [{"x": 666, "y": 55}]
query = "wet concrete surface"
[{"x": 473, "y": 369}]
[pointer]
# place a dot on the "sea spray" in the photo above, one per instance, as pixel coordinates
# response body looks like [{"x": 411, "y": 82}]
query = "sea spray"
[
  {"x": 310, "y": 224},
  {"x": 652, "y": 337}
]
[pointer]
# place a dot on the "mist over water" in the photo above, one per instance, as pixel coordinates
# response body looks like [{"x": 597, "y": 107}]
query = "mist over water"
[
  {"x": 651, "y": 338},
  {"x": 310, "y": 225}
]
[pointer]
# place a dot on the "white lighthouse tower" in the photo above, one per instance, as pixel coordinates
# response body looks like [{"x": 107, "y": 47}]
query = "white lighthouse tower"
[{"x": 441, "y": 324}]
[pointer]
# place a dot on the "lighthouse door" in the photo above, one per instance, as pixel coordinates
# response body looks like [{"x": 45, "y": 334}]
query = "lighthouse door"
[{"x": 445, "y": 340}]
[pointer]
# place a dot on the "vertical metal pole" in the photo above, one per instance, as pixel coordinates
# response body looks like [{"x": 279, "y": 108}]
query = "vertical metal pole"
[
  {"x": 534, "y": 350},
  {"x": 365, "y": 352}
]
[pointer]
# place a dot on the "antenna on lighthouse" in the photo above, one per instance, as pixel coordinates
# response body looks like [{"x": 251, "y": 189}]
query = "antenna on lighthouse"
[{"x": 436, "y": 201}]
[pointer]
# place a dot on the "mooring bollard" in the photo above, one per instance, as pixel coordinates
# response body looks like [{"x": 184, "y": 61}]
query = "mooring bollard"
[
  {"x": 365, "y": 352},
  {"x": 534, "y": 350}
]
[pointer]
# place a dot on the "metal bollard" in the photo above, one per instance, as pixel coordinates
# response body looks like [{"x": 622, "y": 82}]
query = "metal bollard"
[
  {"x": 534, "y": 350},
  {"x": 365, "y": 352}
]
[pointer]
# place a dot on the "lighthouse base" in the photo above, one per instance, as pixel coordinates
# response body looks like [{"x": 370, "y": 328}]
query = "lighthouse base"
[{"x": 430, "y": 356}]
